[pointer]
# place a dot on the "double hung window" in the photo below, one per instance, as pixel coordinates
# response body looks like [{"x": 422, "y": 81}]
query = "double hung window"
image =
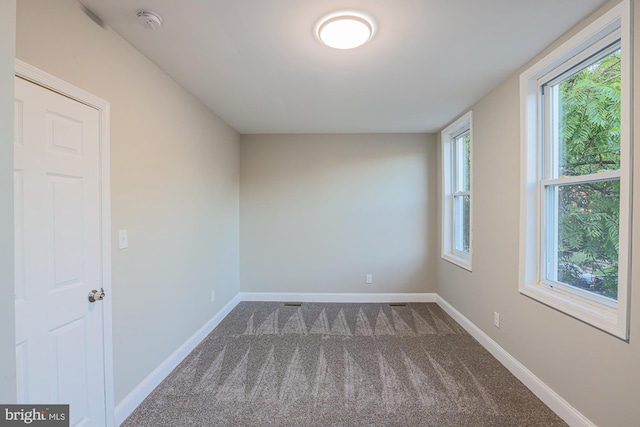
[
  {"x": 456, "y": 166},
  {"x": 576, "y": 174}
]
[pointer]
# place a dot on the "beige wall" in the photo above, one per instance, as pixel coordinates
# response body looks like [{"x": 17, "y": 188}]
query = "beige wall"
[
  {"x": 596, "y": 373},
  {"x": 318, "y": 212},
  {"x": 7, "y": 339},
  {"x": 174, "y": 185}
]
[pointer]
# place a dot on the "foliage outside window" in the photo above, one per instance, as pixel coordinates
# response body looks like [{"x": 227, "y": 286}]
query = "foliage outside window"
[
  {"x": 583, "y": 218},
  {"x": 456, "y": 202},
  {"x": 575, "y": 223}
]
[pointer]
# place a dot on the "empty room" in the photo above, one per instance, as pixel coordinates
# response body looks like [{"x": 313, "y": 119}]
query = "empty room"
[{"x": 288, "y": 212}]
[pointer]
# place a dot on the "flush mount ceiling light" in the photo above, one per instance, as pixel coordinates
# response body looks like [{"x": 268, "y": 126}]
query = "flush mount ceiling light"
[{"x": 345, "y": 30}]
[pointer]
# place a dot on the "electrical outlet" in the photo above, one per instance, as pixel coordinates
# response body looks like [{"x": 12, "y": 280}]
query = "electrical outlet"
[
  {"x": 213, "y": 296},
  {"x": 496, "y": 319},
  {"x": 368, "y": 278}
]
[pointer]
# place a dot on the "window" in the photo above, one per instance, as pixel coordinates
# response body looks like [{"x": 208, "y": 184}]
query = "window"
[
  {"x": 456, "y": 203},
  {"x": 575, "y": 212}
]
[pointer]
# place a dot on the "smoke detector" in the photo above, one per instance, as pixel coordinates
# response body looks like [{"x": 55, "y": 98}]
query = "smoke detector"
[{"x": 149, "y": 19}]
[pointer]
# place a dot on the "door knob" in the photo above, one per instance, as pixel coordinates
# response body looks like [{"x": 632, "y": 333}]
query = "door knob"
[{"x": 96, "y": 295}]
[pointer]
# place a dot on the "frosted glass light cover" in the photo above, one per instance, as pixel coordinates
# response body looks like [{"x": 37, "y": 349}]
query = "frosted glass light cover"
[{"x": 345, "y": 32}]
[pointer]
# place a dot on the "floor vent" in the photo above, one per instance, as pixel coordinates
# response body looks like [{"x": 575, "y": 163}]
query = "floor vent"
[
  {"x": 398, "y": 304},
  {"x": 293, "y": 304}
]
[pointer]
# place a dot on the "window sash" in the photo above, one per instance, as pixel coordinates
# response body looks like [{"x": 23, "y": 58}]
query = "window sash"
[
  {"x": 459, "y": 166},
  {"x": 549, "y": 98},
  {"x": 459, "y": 220},
  {"x": 549, "y": 237}
]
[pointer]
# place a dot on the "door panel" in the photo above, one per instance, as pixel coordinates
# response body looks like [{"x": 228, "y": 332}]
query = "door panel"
[
  {"x": 70, "y": 363},
  {"x": 67, "y": 224}
]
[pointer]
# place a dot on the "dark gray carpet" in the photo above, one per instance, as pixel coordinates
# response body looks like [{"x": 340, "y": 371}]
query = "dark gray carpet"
[{"x": 267, "y": 364}]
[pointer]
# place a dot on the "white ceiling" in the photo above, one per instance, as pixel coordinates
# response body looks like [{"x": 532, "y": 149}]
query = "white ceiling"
[{"x": 258, "y": 65}]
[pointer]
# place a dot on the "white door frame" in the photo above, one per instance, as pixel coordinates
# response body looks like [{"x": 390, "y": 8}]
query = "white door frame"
[{"x": 48, "y": 81}]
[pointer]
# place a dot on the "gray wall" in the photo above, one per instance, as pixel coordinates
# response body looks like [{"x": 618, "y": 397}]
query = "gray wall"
[
  {"x": 7, "y": 339},
  {"x": 595, "y": 372},
  {"x": 318, "y": 212},
  {"x": 174, "y": 185}
]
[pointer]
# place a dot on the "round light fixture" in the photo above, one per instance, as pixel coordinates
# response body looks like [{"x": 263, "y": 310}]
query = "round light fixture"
[{"x": 345, "y": 30}]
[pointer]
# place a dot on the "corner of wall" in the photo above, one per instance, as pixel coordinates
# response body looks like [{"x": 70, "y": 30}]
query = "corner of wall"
[{"x": 7, "y": 337}]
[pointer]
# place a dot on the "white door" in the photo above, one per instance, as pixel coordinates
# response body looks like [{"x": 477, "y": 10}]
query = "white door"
[{"x": 59, "y": 333}]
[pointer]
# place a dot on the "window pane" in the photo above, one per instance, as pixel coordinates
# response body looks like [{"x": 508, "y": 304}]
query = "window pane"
[
  {"x": 466, "y": 162},
  {"x": 588, "y": 110},
  {"x": 588, "y": 217},
  {"x": 463, "y": 162},
  {"x": 461, "y": 235}
]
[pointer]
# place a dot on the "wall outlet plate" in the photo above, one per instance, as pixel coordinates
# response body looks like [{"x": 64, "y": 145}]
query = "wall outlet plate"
[{"x": 123, "y": 239}]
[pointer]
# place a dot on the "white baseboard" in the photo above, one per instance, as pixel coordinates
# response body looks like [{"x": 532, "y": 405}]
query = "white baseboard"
[
  {"x": 337, "y": 297},
  {"x": 138, "y": 394},
  {"x": 553, "y": 400}
]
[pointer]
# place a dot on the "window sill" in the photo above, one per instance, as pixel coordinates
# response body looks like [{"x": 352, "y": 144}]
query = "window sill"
[
  {"x": 459, "y": 260},
  {"x": 598, "y": 315}
]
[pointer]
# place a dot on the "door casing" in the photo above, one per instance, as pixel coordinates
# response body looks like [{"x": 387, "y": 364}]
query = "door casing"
[{"x": 55, "y": 84}]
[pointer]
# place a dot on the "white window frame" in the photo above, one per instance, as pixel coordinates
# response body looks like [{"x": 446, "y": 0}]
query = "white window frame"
[
  {"x": 450, "y": 191},
  {"x": 606, "y": 314}
]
